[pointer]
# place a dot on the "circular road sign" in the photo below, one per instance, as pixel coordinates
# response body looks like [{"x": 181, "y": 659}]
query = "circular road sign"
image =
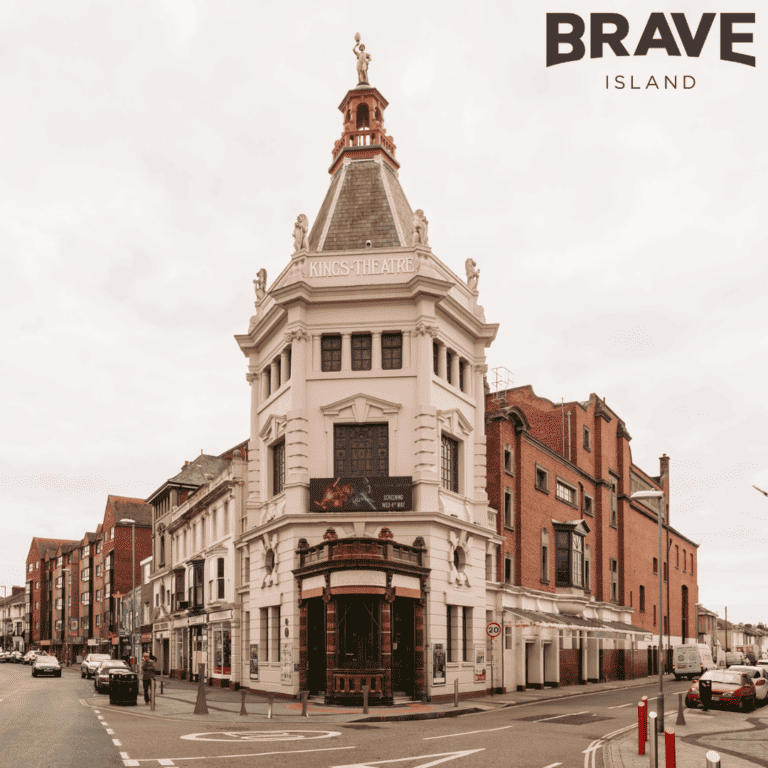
[{"x": 493, "y": 629}]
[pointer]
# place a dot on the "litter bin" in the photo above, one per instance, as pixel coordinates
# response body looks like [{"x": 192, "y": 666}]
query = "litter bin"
[
  {"x": 705, "y": 693},
  {"x": 123, "y": 686}
]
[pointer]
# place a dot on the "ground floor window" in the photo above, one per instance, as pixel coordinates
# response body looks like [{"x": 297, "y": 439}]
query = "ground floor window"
[{"x": 222, "y": 648}]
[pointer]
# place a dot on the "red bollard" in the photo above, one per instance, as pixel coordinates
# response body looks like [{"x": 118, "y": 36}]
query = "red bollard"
[
  {"x": 642, "y": 725},
  {"x": 669, "y": 747}
]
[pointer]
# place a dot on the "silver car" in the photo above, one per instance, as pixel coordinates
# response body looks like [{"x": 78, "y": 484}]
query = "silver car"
[{"x": 91, "y": 663}]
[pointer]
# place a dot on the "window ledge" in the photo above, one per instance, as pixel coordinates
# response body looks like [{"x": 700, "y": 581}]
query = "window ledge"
[{"x": 543, "y": 490}]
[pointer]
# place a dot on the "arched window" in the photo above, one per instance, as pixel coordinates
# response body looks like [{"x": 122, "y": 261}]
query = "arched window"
[{"x": 362, "y": 117}]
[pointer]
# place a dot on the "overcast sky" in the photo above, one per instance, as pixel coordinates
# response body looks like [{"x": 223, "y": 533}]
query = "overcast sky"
[{"x": 156, "y": 154}]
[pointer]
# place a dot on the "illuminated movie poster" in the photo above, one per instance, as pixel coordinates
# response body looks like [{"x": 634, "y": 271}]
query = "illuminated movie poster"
[
  {"x": 438, "y": 664},
  {"x": 286, "y": 664},
  {"x": 352, "y": 494},
  {"x": 479, "y": 664},
  {"x": 254, "y": 672}
]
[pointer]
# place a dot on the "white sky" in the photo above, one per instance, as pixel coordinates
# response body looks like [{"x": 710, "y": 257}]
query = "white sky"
[{"x": 155, "y": 154}]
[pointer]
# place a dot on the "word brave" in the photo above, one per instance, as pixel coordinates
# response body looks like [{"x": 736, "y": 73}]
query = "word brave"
[{"x": 657, "y": 34}]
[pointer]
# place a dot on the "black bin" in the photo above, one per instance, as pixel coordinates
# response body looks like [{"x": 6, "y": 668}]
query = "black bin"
[{"x": 123, "y": 686}]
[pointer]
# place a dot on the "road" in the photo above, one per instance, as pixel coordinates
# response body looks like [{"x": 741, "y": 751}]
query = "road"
[{"x": 61, "y": 722}]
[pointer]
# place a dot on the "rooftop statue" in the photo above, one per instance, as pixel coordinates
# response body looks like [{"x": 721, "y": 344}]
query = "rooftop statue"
[
  {"x": 260, "y": 284},
  {"x": 420, "y": 226},
  {"x": 362, "y": 60},
  {"x": 473, "y": 274},
  {"x": 300, "y": 230}
]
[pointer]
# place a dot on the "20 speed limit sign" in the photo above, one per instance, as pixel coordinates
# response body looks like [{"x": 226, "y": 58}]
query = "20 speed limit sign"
[{"x": 493, "y": 629}]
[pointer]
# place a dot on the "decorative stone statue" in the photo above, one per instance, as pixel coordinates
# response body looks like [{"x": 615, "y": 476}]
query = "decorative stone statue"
[
  {"x": 362, "y": 60},
  {"x": 300, "y": 231},
  {"x": 420, "y": 225},
  {"x": 473, "y": 274},
  {"x": 260, "y": 284}
]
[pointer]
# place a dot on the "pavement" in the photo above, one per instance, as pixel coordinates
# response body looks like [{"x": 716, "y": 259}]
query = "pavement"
[{"x": 740, "y": 739}]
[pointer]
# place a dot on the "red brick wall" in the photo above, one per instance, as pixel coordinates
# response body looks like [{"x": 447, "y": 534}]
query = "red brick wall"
[{"x": 569, "y": 667}]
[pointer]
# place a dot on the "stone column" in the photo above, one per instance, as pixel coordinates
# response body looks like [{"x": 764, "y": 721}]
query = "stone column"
[
  {"x": 316, "y": 353},
  {"x": 265, "y": 374},
  {"x": 455, "y": 370},
  {"x": 284, "y": 365},
  {"x": 442, "y": 360},
  {"x": 252, "y": 378},
  {"x": 467, "y": 389},
  {"x": 274, "y": 369},
  {"x": 346, "y": 352},
  {"x": 376, "y": 351}
]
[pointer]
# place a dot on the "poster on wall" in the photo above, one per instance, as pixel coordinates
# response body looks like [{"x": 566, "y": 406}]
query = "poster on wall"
[
  {"x": 438, "y": 664},
  {"x": 479, "y": 664},
  {"x": 254, "y": 669},
  {"x": 286, "y": 661}
]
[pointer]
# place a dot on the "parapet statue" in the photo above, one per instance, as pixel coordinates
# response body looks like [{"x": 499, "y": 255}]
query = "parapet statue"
[
  {"x": 362, "y": 60},
  {"x": 473, "y": 274},
  {"x": 420, "y": 226},
  {"x": 260, "y": 284},
  {"x": 300, "y": 231}
]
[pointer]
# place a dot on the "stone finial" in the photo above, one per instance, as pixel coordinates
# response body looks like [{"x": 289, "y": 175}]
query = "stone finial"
[
  {"x": 420, "y": 227},
  {"x": 329, "y": 535},
  {"x": 385, "y": 533},
  {"x": 419, "y": 542},
  {"x": 473, "y": 274},
  {"x": 362, "y": 60},
  {"x": 303, "y": 544},
  {"x": 300, "y": 234},
  {"x": 260, "y": 284}
]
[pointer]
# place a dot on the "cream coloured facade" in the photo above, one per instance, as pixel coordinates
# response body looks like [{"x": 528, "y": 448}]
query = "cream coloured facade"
[{"x": 366, "y": 523}]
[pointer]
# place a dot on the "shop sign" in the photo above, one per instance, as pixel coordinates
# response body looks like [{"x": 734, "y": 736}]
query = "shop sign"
[
  {"x": 92, "y": 641},
  {"x": 220, "y": 616},
  {"x": 356, "y": 494},
  {"x": 192, "y": 621}
]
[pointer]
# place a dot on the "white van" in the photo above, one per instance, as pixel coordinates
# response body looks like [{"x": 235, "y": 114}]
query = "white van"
[{"x": 691, "y": 660}]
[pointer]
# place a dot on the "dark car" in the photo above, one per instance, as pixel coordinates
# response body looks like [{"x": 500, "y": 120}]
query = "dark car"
[
  {"x": 46, "y": 665},
  {"x": 729, "y": 689},
  {"x": 101, "y": 678}
]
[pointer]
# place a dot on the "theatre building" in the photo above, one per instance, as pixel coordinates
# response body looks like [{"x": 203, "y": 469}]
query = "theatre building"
[
  {"x": 577, "y": 580},
  {"x": 363, "y": 544}
]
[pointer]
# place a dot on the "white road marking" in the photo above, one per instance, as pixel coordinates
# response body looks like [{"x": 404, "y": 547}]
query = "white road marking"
[
  {"x": 555, "y": 717},
  {"x": 622, "y": 705},
  {"x": 444, "y": 757},
  {"x": 110, "y": 732},
  {"x": 116, "y": 743},
  {"x": 552, "y": 765},
  {"x": 230, "y": 757},
  {"x": 467, "y": 733},
  {"x": 124, "y": 755},
  {"x": 165, "y": 762},
  {"x": 96, "y": 711},
  {"x": 101, "y": 717}
]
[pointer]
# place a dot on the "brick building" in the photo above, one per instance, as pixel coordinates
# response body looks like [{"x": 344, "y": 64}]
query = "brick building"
[
  {"x": 577, "y": 547},
  {"x": 12, "y": 610}
]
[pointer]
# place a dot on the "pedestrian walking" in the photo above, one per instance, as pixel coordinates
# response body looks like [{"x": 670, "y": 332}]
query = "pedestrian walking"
[{"x": 147, "y": 675}]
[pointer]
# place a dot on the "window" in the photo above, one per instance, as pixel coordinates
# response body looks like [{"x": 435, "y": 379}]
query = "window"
[
  {"x": 107, "y": 591},
  {"x": 98, "y": 547},
  {"x": 30, "y": 568},
  {"x": 545, "y": 556},
  {"x": 489, "y": 567},
  {"x": 331, "y": 353},
  {"x": 98, "y": 595},
  {"x": 542, "y": 479},
  {"x": 37, "y": 585},
  {"x": 58, "y": 561},
  {"x": 509, "y": 572},
  {"x": 391, "y": 351},
  {"x": 589, "y": 507},
  {"x": 666, "y": 571},
  {"x": 278, "y": 475},
  {"x": 435, "y": 358},
  {"x": 108, "y": 562},
  {"x": 587, "y": 439},
  {"x": 220, "y": 577},
  {"x": 614, "y": 569},
  {"x": 508, "y": 521},
  {"x": 508, "y": 465},
  {"x": 654, "y": 615},
  {"x": 655, "y": 565},
  {"x": 360, "y": 450},
  {"x": 85, "y": 598},
  {"x": 677, "y": 556},
  {"x": 685, "y": 561},
  {"x": 246, "y": 569},
  {"x": 451, "y": 634},
  {"x": 642, "y": 599},
  {"x": 666, "y": 625},
  {"x": 565, "y": 493},
  {"x": 587, "y": 568},
  {"x": 112, "y": 532},
  {"x": 614, "y": 503},
  {"x": 225, "y": 518},
  {"x": 361, "y": 352},
  {"x": 466, "y": 634},
  {"x": 569, "y": 556},
  {"x": 449, "y": 467},
  {"x": 507, "y": 637},
  {"x": 97, "y": 620}
]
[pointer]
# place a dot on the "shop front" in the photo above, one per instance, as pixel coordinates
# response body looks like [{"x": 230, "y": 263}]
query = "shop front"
[
  {"x": 220, "y": 641},
  {"x": 362, "y": 619}
]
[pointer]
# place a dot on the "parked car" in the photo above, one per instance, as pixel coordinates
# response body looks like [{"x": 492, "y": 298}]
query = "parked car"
[
  {"x": 735, "y": 689},
  {"x": 101, "y": 678},
  {"x": 91, "y": 663},
  {"x": 734, "y": 657},
  {"x": 30, "y": 656},
  {"x": 46, "y": 665},
  {"x": 3, "y": 656},
  {"x": 17, "y": 657},
  {"x": 762, "y": 663},
  {"x": 759, "y": 677},
  {"x": 691, "y": 660}
]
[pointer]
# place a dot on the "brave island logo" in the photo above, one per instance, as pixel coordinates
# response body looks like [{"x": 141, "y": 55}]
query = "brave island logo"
[{"x": 612, "y": 29}]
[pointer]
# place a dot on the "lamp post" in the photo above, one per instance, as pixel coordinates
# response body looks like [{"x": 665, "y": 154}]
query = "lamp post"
[
  {"x": 132, "y": 523},
  {"x": 659, "y": 496}
]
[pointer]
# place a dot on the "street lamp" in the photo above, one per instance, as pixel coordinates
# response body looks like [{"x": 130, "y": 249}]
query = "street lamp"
[
  {"x": 659, "y": 495},
  {"x": 132, "y": 523}
]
